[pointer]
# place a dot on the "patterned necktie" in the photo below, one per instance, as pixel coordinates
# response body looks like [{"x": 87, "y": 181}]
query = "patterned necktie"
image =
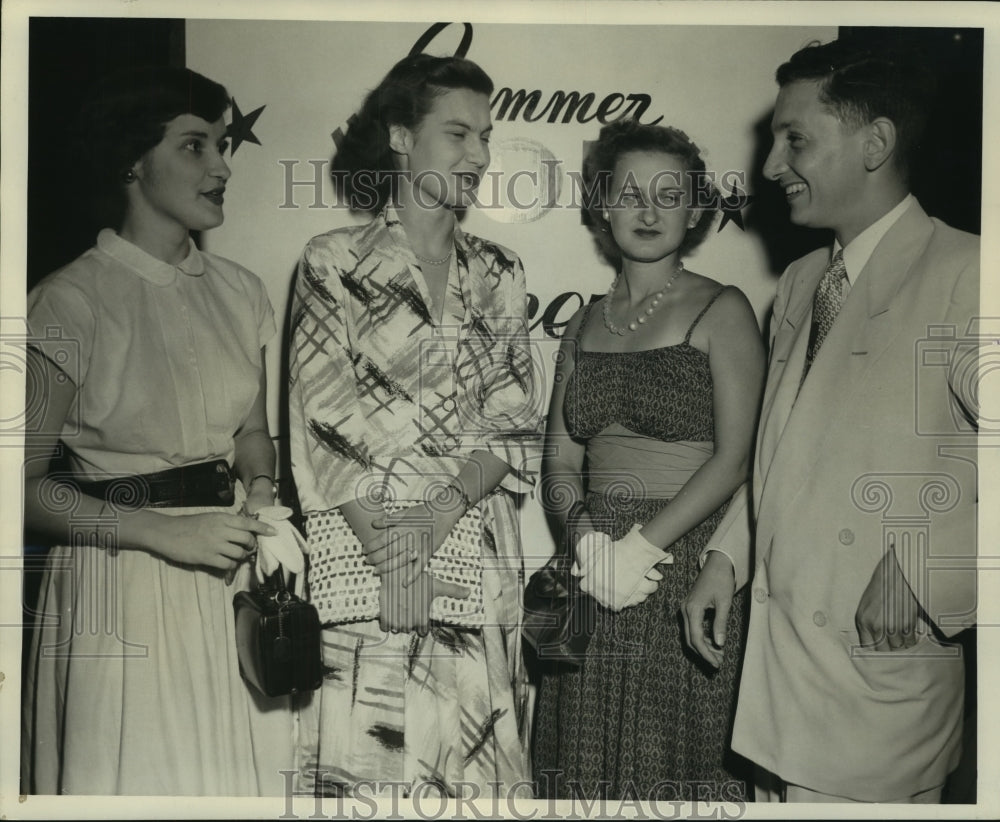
[{"x": 830, "y": 296}]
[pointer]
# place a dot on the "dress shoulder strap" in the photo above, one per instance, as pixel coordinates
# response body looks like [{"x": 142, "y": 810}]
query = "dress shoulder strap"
[
  {"x": 583, "y": 321},
  {"x": 702, "y": 313}
]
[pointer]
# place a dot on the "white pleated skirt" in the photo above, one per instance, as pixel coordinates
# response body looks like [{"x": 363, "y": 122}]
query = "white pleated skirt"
[{"x": 133, "y": 686}]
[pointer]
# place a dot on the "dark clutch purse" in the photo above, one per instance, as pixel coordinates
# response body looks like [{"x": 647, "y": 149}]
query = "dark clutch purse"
[
  {"x": 277, "y": 639},
  {"x": 558, "y": 616}
]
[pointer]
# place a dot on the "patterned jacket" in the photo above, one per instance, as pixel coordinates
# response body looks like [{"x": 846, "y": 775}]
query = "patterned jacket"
[{"x": 383, "y": 398}]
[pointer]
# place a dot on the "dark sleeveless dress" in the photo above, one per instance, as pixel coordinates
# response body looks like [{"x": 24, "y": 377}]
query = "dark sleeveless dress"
[{"x": 644, "y": 717}]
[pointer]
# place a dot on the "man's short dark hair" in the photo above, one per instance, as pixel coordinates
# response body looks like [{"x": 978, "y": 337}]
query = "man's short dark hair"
[{"x": 863, "y": 81}]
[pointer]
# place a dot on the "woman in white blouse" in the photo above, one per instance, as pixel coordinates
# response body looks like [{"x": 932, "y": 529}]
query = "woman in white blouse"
[{"x": 146, "y": 375}]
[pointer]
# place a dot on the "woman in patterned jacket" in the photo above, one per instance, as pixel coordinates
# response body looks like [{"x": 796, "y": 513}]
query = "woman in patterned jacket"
[{"x": 414, "y": 417}]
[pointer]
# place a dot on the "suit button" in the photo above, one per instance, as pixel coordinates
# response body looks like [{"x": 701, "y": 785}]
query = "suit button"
[
  {"x": 819, "y": 619},
  {"x": 846, "y": 536},
  {"x": 759, "y": 594}
]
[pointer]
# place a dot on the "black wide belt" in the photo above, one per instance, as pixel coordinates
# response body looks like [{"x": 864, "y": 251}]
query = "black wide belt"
[{"x": 200, "y": 485}]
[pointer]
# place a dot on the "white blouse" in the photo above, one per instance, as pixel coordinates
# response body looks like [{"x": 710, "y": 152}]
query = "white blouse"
[{"x": 166, "y": 359}]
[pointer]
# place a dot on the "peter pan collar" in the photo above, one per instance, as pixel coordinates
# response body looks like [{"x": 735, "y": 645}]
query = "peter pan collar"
[{"x": 146, "y": 265}]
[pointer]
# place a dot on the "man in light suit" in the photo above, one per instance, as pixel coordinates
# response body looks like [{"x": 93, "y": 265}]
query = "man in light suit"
[{"x": 864, "y": 484}]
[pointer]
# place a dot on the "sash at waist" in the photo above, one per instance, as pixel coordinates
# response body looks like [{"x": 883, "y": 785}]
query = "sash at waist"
[{"x": 635, "y": 466}]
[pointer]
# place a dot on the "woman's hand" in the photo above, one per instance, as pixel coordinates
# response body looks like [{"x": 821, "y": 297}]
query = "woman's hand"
[
  {"x": 405, "y": 607},
  {"x": 214, "y": 540},
  {"x": 407, "y": 539},
  {"x": 619, "y": 574}
]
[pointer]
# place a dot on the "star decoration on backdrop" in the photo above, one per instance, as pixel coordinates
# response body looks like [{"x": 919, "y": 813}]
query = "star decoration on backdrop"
[
  {"x": 732, "y": 208},
  {"x": 241, "y": 128}
]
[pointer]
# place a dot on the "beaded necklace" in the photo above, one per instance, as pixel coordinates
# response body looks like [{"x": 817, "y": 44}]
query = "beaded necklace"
[{"x": 644, "y": 315}]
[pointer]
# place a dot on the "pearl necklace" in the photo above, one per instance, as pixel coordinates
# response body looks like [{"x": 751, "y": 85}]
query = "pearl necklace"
[
  {"x": 442, "y": 261},
  {"x": 641, "y": 318}
]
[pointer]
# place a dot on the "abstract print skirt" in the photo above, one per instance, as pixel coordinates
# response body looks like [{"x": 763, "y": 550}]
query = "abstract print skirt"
[{"x": 445, "y": 713}]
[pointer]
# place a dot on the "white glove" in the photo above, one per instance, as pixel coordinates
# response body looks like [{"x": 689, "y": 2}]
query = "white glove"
[
  {"x": 590, "y": 551},
  {"x": 286, "y": 548},
  {"x": 619, "y": 574}
]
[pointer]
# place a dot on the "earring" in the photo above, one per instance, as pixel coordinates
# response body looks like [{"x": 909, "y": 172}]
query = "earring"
[{"x": 128, "y": 176}]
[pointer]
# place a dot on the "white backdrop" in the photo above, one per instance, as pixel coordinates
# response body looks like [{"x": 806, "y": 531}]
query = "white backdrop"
[{"x": 714, "y": 82}]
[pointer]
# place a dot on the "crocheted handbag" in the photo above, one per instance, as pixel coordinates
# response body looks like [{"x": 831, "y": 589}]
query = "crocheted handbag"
[{"x": 344, "y": 588}]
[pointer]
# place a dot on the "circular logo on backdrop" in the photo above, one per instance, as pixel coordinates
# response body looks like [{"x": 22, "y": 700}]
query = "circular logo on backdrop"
[{"x": 524, "y": 179}]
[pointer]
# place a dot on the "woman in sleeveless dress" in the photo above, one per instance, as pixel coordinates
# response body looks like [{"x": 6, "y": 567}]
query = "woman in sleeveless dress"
[
  {"x": 147, "y": 377},
  {"x": 649, "y": 433}
]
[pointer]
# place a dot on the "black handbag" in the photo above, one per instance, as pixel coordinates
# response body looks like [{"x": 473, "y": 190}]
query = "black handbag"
[
  {"x": 558, "y": 616},
  {"x": 277, "y": 639}
]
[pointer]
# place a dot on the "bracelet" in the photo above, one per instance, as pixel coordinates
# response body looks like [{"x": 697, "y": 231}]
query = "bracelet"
[{"x": 274, "y": 485}]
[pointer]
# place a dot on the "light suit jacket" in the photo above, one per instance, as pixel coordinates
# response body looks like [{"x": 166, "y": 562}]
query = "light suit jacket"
[{"x": 876, "y": 451}]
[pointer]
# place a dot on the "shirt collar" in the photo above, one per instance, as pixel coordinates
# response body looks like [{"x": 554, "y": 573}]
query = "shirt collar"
[
  {"x": 385, "y": 236},
  {"x": 146, "y": 265},
  {"x": 859, "y": 250},
  {"x": 388, "y": 221}
]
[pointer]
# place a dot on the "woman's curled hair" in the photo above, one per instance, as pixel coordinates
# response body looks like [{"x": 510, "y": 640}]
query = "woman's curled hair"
[
  {"x": 363, "y": 166},
  {"x": 624, "y": 136}
]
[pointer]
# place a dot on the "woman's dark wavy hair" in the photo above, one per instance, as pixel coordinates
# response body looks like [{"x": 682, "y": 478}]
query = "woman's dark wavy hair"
[
  {"x": 624, "y": 136},
  {"x": 862, "y": 81},
  {"x": 363, "y": 165},
  {"x": 124, "y": 116}
]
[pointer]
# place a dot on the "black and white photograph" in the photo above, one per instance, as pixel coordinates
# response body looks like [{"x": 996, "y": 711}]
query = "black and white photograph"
[{"x": 485, "y": 410}]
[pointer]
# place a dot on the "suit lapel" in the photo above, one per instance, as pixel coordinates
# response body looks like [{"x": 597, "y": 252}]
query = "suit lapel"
[
  {"x": 890, "y": 266},
  {"x": 788, "y": 352},
  {"x": 797, "y": 425}
]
